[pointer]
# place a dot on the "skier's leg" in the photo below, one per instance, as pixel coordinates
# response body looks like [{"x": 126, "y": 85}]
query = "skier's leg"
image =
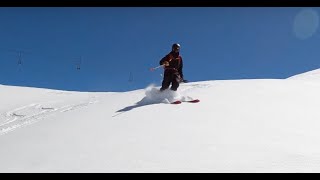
[
  {"x": 165, "y": 82},
  {"x": 175, "y": 82}
]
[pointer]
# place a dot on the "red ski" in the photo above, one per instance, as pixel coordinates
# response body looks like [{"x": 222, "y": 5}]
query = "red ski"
[
  {"x": 191, "y": 101},
  {"x": 176, "y": 102}
]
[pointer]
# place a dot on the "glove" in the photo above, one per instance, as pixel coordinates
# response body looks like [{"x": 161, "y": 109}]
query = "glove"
[{"x": 165, "y": 63}]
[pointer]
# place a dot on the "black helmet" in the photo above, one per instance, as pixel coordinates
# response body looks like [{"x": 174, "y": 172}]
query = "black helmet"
[{"x": 175, "y": 45}]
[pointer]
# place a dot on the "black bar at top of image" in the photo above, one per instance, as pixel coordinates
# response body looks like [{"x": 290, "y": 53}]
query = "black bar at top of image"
[{"x": 160, "y": 3}]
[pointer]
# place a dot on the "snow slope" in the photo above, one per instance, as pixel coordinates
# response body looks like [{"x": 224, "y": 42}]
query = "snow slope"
[
  {"x": 257, "y": 125},
  {"x": 313, "y": 75}
]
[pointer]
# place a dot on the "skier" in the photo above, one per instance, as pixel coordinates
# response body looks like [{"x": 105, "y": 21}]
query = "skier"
[{"x": 172, "y": 64}]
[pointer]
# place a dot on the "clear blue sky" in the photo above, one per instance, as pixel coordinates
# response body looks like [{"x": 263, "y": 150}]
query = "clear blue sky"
[{"x": 121, "y": 43}]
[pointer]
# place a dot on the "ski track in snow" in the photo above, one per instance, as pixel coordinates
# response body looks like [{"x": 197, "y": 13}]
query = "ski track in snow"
[
  {"x": 31, "y": 113},
  {"x": 34, "y": 112},
  {"x": 193, "y": 86}
]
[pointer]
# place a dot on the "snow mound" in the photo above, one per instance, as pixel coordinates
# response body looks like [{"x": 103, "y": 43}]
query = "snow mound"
[
  {"x": 154, "y": 95},
  {"x": 313, "y": 75}
]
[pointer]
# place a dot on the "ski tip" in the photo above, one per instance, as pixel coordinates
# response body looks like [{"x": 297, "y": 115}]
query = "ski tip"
[
  {"x": 194, "y": 101},
  {"x": 176, "y": 102}
]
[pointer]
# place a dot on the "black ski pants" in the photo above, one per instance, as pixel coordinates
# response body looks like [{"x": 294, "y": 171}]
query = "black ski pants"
[{"x": 170, "y": 77}]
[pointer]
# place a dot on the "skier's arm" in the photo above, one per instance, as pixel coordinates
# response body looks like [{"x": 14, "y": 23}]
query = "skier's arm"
[
  {"x": 165, "y": 60},
  {"x": 162, "y": 60}
]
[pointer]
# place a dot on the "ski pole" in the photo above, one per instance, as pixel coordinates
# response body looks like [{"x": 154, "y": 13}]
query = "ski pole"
[{"x": 154, "y": 68}]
